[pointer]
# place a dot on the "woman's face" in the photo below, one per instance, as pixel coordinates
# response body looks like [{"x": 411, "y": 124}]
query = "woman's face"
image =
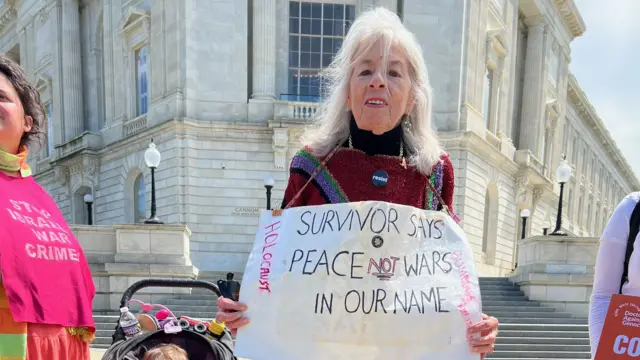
[
  {"x": 378, "y": 100},
  {"x": 13, "y": 122}
]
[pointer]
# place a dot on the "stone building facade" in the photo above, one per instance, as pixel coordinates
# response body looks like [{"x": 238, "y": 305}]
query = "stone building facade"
[{"x": 224, "y": 89}]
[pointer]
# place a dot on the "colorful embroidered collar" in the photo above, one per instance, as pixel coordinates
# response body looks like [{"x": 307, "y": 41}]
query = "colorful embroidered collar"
[{"x": 16, "y": 163}]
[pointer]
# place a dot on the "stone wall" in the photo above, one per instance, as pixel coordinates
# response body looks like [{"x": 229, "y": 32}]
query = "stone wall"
[
  {"x": 558, "y": 271},
  {"x": 121, "y": 255}
]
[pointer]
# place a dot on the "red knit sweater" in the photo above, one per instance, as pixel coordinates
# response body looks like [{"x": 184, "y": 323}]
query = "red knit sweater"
[{"x": 347, "y": 177}]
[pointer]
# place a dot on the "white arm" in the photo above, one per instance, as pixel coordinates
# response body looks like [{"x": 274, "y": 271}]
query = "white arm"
[{"x": 609, "y": 267}]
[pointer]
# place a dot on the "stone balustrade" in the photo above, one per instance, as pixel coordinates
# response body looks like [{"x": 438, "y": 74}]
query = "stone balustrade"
[
  {"x": 557, "y": 271},
  {"x": 120, "y": 255},
  {"x": 294, "y": 110}
]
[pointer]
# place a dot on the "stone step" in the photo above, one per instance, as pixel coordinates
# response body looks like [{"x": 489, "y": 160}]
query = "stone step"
[
  {"x": 504, "y": 297},
  {"x": 492, "y": 278},
  {"x": 528, "y": 314},
  {"x": 530, "y": 358},
  {"x": 493, "y": 309},
  {"x": 544, "y": 321},
  {"x": 540, "y": 355},
  {"x": 542, "y": 347},
  {"x": 191, "y": 302},
  {"x": 510, "y": 303},
  {"x": 519, "y": 340},
  {"x": 183, "y": 307},
  {"x": 540, "y": 334},
  {"x": 100, "y": 345},
  {"x": 211, "y": 297},
  {"x": 493, "y": 292}
]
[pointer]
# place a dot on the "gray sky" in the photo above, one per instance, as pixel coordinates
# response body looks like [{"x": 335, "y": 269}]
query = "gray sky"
[{"x": 606, "y": 62}]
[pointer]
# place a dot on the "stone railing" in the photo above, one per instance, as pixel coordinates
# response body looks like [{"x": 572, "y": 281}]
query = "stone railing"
[
  {"x": 87, "y": 140},
  {"x": 557, "y": 271},
  {"x": 120, "y": 255},
  {"x": 135, "y": 125},
  {"x": 525, "y": 159},
  {"x": 492, "y": 139},
  {"x": 294, "y": 110}
]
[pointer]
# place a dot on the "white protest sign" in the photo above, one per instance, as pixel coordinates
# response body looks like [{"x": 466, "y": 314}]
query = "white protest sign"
[{"x": 367, "y": 280}]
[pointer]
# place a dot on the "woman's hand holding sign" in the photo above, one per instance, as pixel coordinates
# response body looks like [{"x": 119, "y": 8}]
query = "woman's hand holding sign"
[
  {"x": 231, "y": 313},
  {"x": 488, "y": 331}
]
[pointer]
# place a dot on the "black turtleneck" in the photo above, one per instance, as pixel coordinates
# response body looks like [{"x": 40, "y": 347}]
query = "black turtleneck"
[{"x": 371, "y": 144}]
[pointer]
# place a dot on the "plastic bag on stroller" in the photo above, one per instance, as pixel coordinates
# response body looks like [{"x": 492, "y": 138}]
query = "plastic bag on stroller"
[{"x": 198, "y": 346}]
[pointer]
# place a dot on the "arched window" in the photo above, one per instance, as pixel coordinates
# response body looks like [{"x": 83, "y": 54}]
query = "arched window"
[{"x": 140, "y": 199}]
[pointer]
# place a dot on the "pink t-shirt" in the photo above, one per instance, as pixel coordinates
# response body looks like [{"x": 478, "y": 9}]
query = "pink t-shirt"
[{"x": 44, "y": 270}]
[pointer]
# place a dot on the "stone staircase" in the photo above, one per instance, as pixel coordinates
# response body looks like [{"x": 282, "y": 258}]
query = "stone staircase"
[{"x": 528, "y": 331}]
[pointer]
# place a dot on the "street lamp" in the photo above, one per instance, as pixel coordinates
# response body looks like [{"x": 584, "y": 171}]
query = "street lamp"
[
  {"x": 88, "y": 199},
  {"x": 268, "y": 184},
  {"x": 524, "y": 214},
  {"x": 152, "y": 158},
  {"x": 563, "y": 174}
]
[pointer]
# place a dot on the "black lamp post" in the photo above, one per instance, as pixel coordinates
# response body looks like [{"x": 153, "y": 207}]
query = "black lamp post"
[
  {"x": 268, "y": 184},
  {"x": 563, "y": 174},
  {"x": 152, "y": 158},
  {"x": 88, "y": 199},
  {"x": 524, "y": 214}
]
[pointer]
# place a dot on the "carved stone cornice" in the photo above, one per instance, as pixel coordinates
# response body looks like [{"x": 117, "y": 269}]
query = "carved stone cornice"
[
  {"x": 8, "y": 14},
  {"x": 588, "y": 114},
  {"x": 571, "y": 17}
]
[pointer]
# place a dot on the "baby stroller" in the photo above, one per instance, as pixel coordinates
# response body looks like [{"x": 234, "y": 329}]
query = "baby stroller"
[{"x": 199, "y": 345}]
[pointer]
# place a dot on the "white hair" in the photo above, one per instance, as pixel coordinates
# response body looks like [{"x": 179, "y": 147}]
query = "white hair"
[{"x": 331, "y": 125}]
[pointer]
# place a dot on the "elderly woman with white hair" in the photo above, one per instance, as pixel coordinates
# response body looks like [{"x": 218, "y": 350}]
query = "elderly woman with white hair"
[{"x": 373, "y": 139}]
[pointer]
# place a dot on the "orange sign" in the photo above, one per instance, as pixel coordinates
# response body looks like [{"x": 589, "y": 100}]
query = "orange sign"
[{"x": 620, "y": 337}]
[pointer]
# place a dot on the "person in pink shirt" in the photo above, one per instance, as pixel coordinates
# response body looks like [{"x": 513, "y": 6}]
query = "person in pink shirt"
[{"x": 46, "y": 288}]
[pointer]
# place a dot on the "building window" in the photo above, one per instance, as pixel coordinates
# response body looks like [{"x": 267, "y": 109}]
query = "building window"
[
  {"x": 486, "y": 96},
  {"x": 142, "y": 79},
  {"x": 584, "y": 162},
  {"x": 316, "y": 32},
  {"x": 140, "y": 199},
  {"x": 50, "y": 135}
]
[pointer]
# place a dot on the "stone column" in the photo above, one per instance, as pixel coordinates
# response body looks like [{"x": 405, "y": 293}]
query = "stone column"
[
  {"x": 532, "y": 107},
  {"x": 71, "y": 70},
  {"x": 264, "y": 49}
]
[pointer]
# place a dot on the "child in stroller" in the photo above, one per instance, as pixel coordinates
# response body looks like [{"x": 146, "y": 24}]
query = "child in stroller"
[
  {"x": 199, "y": 342},
  {"x": 166, "y": 352}
]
